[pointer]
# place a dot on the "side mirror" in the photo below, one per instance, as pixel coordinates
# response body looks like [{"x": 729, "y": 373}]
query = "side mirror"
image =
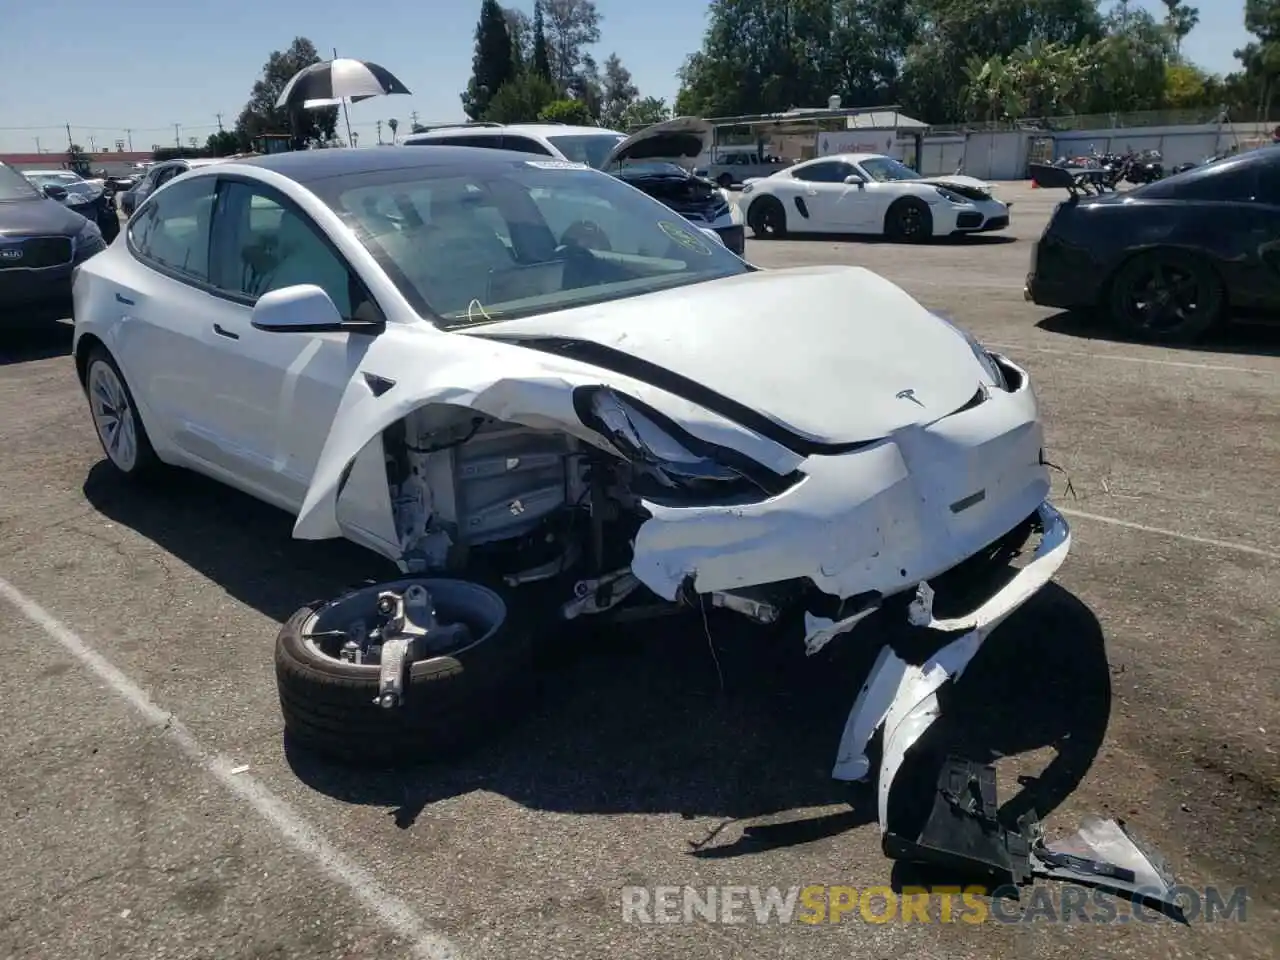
[
  {"x": 304, "y": 308},
  {"x": 713, "y": 235},
  {"x": 55, "y": 192},
  {"x": 854, "y": 178}
]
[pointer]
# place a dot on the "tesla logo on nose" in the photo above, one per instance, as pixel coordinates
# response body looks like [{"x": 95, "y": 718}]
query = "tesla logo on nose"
[
  {"x": 909, "y": 395},
  {"x": 13, "y": 253}
]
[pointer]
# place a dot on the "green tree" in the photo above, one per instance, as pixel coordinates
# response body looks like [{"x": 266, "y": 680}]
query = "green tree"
[
  {"x": 643, "y": 113},
  {"x": 1180, "y": 19},
  {"x": 520, "y": 30},
  {"x": 491, "y": 65},
  {"x": 571, "y": 26},
  {"x": 539, "y": 57},
  {"x": 618, "y": 93},
  {"x": 521, "y": 99},
  {"x": 566, "y": 111},
  {"x": 394, "y": 124},
  {"x": 260, "y": 115},
  {"x": 222, "y": 144}
]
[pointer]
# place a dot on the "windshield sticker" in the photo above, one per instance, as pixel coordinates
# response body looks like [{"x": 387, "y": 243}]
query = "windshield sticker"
[
  {"x": 685, "y": 237},
  {"x": 556, "y": 165}
]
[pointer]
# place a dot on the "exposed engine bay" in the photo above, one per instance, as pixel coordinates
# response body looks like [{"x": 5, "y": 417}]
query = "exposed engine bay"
[{"x": 530, "y": 505}]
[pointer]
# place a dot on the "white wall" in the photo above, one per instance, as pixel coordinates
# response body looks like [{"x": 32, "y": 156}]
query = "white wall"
[{"x": 1003, "y": 156}]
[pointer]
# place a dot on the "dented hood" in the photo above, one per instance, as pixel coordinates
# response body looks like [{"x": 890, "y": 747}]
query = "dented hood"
[
  {"x": 681, "y": 139},
  {"x": 833, "y": 355},
  {"x": 961, "y": 182}
]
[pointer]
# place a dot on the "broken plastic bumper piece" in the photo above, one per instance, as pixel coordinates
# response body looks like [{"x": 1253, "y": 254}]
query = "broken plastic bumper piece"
[
  {"x": 903, "y": 697},
  {"x": 961, "y": 833}
]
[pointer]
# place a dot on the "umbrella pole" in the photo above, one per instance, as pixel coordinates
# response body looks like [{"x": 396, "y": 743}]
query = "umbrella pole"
[{"x": 345, "y": 116}]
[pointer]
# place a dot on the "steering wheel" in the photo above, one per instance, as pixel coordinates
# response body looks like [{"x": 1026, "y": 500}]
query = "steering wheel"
[{"x": 587, "y": 235}]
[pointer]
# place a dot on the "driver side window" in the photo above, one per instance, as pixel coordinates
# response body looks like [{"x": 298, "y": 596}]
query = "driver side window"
[
  {"x": 831, "y": 171},
  {"x": 265, "y": 244}
]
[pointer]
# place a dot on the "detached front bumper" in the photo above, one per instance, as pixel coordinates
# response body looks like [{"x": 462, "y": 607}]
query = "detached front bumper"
[{"x": 902, "y": 696}]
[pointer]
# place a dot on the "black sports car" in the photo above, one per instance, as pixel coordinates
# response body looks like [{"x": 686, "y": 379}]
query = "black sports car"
[
  {"x": 694, "y": 198},
  {"x": 1169, "y": 260},
  {"x": 41, "y": 243}
]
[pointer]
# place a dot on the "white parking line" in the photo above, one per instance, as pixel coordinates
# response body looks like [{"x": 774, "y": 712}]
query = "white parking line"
[
  {"x": 282, "y": 818},
  {"x": 1161, "y": 532},
  {"x": 1115, "y": 356}
]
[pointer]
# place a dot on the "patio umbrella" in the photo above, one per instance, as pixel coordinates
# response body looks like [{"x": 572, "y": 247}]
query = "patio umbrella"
[
  {"x": 339, "y": 79},
  {"x": 336, "y": 81}
]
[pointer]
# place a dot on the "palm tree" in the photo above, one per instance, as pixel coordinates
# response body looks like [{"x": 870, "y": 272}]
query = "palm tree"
[{"x": 393, "y": 123}]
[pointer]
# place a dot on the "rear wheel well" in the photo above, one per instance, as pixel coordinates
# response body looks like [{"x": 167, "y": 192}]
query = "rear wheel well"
[
  {"x": 83, "y": 349},
  {"x": 1102, "y": 301}
]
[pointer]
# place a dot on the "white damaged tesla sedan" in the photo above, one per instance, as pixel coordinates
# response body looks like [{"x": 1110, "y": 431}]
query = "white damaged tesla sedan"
[{"x": 507, "y": 372}]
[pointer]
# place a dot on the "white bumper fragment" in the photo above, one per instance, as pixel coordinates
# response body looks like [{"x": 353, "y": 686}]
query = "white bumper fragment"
[{"x": 903, "y": 697}]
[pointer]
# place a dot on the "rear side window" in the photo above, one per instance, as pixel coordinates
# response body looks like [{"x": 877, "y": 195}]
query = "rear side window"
[
  {"x": 462, "y": 140},
  {"x": 831, "y": 171},
  {"x": 524, "y": 145},
  {"x": 171, "y": 231}
]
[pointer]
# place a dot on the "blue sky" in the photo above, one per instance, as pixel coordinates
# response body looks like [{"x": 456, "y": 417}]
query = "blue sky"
[{"x": 144, "y": 65}]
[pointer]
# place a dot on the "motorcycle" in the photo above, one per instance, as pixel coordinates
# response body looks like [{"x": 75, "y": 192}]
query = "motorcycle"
[{"x": 1147, "y": 167}]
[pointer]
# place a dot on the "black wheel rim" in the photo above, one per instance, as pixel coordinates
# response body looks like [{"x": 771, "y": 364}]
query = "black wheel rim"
[
  {"x": 910, "y": 222},
  {"x": 769, "y": 221},
  {"x": 1164, "y": 296}
]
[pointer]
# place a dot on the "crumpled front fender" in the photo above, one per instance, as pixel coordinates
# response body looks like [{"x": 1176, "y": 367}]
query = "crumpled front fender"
[{"x": 407, "y": 368}]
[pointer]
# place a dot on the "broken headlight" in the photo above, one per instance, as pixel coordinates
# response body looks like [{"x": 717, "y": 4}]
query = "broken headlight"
[
  {"x": 981, "y": 354},
  {"x": 661, "y": 451}
]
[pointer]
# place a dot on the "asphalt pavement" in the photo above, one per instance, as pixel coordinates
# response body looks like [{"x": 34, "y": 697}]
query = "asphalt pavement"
[{"x": 155, "y": 811}]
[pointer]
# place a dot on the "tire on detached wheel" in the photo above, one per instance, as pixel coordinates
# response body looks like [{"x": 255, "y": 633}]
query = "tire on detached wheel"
[{"x": 450, "y": 700}]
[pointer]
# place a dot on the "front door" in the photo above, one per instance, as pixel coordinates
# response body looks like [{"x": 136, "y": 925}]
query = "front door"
[{"x": 274, "y": 395}]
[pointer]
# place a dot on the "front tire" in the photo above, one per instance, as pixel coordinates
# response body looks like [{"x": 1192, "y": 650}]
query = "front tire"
[
  {"x": 451, "y": 698},
  {"x": 909, "y": 221},
  {"x": 115, "y": 418},
  {"x": 767, "y": 219},
  {"x": 1167, "y": 296}
]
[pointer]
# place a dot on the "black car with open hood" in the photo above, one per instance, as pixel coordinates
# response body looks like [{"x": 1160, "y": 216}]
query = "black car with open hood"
[{"x": 651, "y": 161}]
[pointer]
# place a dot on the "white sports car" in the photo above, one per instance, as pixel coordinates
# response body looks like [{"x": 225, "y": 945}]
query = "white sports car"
[
  {"x": 430, "y": 353},
  {"x": 869, "y": 194}
]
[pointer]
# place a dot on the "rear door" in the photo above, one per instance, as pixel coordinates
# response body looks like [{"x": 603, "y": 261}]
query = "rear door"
[{"x": 163, "y": 306}]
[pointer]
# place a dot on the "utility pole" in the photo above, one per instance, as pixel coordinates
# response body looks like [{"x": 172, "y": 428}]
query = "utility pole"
[
  {"x": 379, "y": 131},
  {"x": 70, "y": 143},
  {"x": 38, "y": 148},
  {"x": 219, "y": 123},
  {"x": 177, "y": 135},
  {"x": 129, "y": 133},
  {"x": 413, "y": 118}
]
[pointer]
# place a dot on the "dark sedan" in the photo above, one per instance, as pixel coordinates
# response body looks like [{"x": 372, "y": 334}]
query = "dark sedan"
[
  {"x": 41, "y": 243},
  {"x": 1170, "y": 260}
]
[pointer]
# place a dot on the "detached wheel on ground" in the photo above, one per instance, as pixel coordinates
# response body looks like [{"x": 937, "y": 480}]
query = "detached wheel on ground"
[
  {"x": 908, "y": 221},
  {"x": 115, "y": 418},
  {"x": 766, "y": 218},
  {"x": 467, "y": 674},
  {"x": 1167, "y": 296}
]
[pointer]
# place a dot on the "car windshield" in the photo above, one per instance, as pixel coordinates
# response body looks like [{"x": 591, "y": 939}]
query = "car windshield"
[
  {"x": 14, "y": 186},
  {"x": 521, "y": 238},
  {"x": 589, "y": 148},
  {"x": 887, "y": 170}
]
